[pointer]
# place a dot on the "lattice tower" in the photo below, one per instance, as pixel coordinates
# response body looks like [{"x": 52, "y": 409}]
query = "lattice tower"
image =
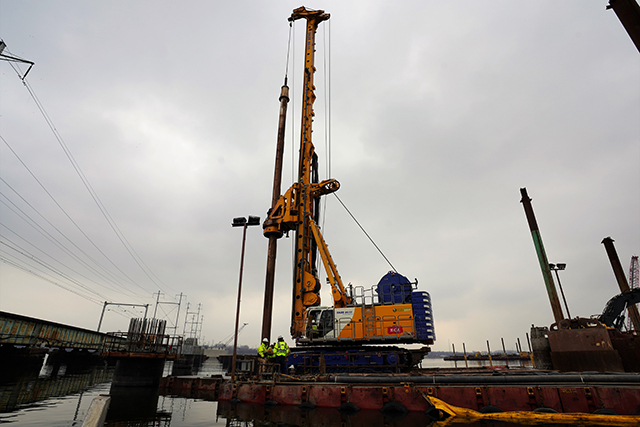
[{"x": 634, "y": 282}]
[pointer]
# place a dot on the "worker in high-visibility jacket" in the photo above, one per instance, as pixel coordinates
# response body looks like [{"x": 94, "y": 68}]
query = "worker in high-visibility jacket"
[
  {"x": 281, "y": 350},
  {"x": 265, "y": 349},
  {"x": 265, "y": 354}
]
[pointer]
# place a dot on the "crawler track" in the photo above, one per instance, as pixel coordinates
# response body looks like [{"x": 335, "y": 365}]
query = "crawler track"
[{"x": 311, "y": 360}]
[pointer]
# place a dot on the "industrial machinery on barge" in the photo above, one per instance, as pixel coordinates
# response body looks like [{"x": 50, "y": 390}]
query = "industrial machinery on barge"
[
  {"x": 361, "y": 331},
  {"x": 598, "y": 343}
]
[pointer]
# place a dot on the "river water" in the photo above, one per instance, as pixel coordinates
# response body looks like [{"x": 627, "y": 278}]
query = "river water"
[{"x": 60, "y": 396}]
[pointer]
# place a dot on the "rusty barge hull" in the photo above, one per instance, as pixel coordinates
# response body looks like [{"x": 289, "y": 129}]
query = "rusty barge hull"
[{"x": 564, "y": 393}]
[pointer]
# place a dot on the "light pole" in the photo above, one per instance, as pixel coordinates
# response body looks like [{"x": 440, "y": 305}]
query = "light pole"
[
  {"x": 244, "y": 223},
  {"x": 556, "y": 267}
]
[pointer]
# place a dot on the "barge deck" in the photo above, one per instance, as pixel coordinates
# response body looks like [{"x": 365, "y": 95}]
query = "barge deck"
[{"x": 586, "y": 392}]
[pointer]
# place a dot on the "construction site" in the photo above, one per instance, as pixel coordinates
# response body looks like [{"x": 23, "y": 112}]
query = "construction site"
[{"x": 365, "y": 349}]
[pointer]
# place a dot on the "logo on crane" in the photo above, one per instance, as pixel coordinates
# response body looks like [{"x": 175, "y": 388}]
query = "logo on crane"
[{"x": 394, "y": 330}]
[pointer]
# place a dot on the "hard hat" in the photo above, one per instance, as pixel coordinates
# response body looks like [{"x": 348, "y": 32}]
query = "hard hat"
[
  {"x": 280, "y": 338},
  {"x": 265, "y": 340}
]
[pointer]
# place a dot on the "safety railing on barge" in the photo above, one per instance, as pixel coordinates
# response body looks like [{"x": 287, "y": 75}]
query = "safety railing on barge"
[
  {"x": 396, "y": 313},
  {"x": 385, "y": 295},
  {"x": 387, "y": 327}
]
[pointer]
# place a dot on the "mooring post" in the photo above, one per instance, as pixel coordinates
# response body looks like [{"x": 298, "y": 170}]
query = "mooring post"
[
  {"x": 455, "y": 361},
  {"x": 464, "y": 351}
]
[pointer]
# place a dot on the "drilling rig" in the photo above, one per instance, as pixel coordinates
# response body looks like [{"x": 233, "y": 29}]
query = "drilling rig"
[{"x": 361, "y": 330}]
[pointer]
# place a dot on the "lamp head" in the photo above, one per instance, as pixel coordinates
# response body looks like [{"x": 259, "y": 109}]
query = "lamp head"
[{"x": 239, "y": 221}]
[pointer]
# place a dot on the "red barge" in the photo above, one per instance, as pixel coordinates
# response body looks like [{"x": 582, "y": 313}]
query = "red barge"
[{"x": 613, "y": 393}]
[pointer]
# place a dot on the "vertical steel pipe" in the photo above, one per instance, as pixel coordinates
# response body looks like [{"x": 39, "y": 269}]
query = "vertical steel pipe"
[
  {"x": 542, "y": 256},
  {"x": 628, "y": 12},
  {"x": 267, "y": 313},
  {"x": 621, "y": 278}
]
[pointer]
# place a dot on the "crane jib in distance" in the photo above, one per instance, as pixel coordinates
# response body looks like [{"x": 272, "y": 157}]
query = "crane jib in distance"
[{"x": 391, "y": 312}]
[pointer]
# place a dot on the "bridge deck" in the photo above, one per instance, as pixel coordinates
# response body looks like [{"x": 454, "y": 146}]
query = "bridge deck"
[{"x": 37, "y": 333}]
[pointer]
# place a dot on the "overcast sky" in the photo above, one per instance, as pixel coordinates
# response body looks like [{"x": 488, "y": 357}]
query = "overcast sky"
[{"x": 438, "y": 113}]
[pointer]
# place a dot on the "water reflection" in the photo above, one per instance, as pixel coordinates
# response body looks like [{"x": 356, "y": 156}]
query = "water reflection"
[
  {"x": 261, "y": 415},
  {"x": 142, "y": 407},
  {"x": 44, "y": 388},
  {"x": 30, "y": 385},
  {"x": 244, "y": 414},
  {"x": 134, "y": 403}
]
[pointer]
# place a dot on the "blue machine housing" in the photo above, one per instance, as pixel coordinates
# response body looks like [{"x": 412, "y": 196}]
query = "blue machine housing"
[
  {"x": 423, "y": 316},
  {"x": 394, "y": 288}
]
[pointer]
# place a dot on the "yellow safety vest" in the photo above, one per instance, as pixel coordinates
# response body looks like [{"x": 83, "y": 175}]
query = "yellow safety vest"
[
  {"x": 281, "y": 348},
  {"x": 262, "y": 350}
]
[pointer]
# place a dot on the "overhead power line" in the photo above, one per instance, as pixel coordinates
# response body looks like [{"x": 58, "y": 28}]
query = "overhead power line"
[
  {"x": 103, "y": 210},
  {"x": 70, "y": 219},
  {"x": 39, "y": 275},
  {"x": 101, "y": 207},
  {"x": 16, "y": 248}
]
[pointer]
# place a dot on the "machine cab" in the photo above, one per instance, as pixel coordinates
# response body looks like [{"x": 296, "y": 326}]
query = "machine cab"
[{"x": 320, "y": 322}]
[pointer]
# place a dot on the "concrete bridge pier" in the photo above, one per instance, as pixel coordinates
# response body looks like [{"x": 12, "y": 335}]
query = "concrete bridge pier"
[
  {"x": 139, "y": 367},
  {"x": 138, "y": 372},
  {"x": 140, "y": 357},
  {"x": 132, "y": 403},
  {"x": 16, "y": 362},
  {"x": 135, "y": 388},
  {"x": 183, "y": 365}
]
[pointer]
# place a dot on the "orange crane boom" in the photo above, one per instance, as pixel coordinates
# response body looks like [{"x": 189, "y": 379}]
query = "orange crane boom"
[{"x": 298, "y": 209}]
